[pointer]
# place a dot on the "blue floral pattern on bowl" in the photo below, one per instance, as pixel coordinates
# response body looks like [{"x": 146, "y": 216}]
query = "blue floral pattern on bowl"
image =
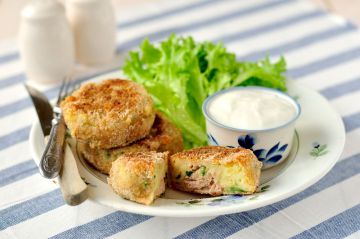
[
  {"x": 246, "y": 142},
  {"x": 273, "y": 155},
  {"x": 212, "y": 140}
]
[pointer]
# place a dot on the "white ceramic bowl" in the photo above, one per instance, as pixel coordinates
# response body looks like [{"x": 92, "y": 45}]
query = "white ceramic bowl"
[{"x": 270, "y": 145}]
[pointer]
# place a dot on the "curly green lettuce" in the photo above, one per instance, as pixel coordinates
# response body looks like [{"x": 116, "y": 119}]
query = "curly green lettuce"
[{"x": 180, "y": 74}]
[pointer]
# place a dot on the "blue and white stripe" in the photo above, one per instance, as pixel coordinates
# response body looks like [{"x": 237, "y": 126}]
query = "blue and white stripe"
[{"x": 322, "y": 51}]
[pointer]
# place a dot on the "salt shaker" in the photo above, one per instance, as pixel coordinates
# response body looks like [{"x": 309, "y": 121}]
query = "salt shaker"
[
  {"x": 46, "y": 42},
  {"x": 94, "y": 28}
]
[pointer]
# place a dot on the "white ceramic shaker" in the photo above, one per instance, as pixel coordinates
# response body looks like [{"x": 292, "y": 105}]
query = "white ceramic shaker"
[
  {"x": 46, "y": 42},
  {"x": 94, "y": 28}
]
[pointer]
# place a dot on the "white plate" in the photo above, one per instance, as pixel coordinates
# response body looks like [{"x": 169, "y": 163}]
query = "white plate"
[{"x": 318, "y": 144}]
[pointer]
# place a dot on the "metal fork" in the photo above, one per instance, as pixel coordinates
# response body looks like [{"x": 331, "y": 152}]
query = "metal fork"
[{"x": 52, "y": 158}]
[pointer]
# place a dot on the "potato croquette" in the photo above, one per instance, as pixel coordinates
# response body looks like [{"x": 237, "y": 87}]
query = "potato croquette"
[
  {"x": 109, "y": 114},
  {"x": 139, "y": 176},
  {"x": 164, "y": 136},
  {"x": 215, "y": 170}
]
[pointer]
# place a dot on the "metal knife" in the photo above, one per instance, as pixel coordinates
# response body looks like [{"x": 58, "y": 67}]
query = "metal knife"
[
  {"x": 43, "y": 108},
  {"x": 52, "y": 160},
  {"x": 72, "y": 186}
]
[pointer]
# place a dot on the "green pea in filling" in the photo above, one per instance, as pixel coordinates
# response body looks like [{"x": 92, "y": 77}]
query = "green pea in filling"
[
  {"x": 236, "y": 190},
  {"x": 202, "y": 170}
]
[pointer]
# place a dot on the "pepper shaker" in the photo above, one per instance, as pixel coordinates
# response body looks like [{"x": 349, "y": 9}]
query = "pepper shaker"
[
  {"x": 45, "y": 42},
  {"x": 94, "y": 28}
]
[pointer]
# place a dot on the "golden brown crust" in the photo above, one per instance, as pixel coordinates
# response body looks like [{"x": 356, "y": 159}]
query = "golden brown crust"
[
  {"x": 216, "y": 154},
  {"x": 215, "y": 170},
  {"x": 164, "y": 136},
  {"x": 139, "y": 176},
  {"x": 109, "y": 114}
]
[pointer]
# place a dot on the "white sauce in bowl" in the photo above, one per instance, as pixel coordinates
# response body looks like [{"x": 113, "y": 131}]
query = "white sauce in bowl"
[{"x": 252, "y": 109}]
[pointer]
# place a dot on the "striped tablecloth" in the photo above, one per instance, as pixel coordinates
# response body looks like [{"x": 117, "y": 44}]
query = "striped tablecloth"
[{"x": 322, "y": 51}]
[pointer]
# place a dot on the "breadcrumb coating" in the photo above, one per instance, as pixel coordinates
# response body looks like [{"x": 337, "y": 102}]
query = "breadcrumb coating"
[{"x": 109, "y": 114}]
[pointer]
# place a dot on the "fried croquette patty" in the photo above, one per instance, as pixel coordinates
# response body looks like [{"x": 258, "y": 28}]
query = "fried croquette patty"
[
  {"x": 215, "y": 170},
  {"x": 109, "y": 114},
  {"x": 164, "y": 136},
  {"x": 139, "y": 176}
]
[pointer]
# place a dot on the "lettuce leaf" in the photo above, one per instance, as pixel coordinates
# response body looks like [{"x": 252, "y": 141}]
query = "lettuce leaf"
[{"x": 180, "y": 74}]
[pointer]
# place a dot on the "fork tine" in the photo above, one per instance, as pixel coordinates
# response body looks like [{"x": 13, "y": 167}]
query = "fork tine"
[
  {"x": 74, "y": 85},
  {"x": 78, "y": 84},
  {"x": 68, "y": 87},
  {"x": 59, "y": 97}
]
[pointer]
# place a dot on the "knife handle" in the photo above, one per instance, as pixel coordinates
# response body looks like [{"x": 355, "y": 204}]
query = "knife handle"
[
  {"x": 73, "y": 187},
  {"x": 52, "y": 158}
]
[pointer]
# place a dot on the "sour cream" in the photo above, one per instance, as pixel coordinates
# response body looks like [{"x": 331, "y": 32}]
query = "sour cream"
[{"x": 252, "y": 108}]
